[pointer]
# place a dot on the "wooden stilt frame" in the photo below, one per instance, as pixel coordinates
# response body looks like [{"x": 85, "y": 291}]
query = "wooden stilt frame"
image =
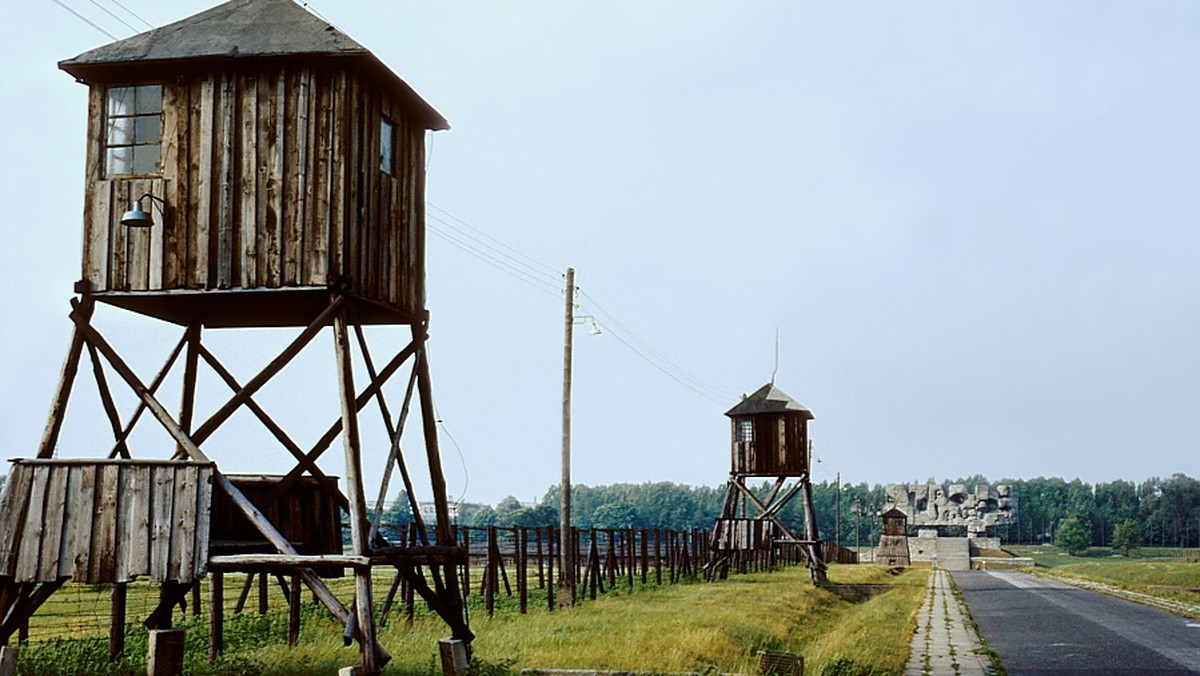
[
  {"x": 439, "y": 586},
  {"x": 739, "y": 500}
]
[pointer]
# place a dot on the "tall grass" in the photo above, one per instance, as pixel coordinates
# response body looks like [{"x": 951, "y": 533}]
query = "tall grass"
[{"x": 686, "y": 627}]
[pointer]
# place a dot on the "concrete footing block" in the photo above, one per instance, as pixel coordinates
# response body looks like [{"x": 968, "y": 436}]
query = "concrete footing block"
[
  {"x": 348, "y": 671},
  {"x": 454, "y": 656},
  {"x": 164, "y": 656},
  {"x": 8, "y": 660}
]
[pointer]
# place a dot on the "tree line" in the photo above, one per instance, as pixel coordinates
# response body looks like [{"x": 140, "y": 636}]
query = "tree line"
[{"x": 1162, "y": 511}]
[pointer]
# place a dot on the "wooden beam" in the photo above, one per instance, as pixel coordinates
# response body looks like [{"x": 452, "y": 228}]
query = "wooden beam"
[
  {"x": 66, "y": 378},
  {"x": 251, "y": 512},
  {"x": 271, "y": 425},
  {"x": 326, "y": 439},
  {"x": 454, "y": 609},
  {"x": 363, "y": 606},
  {"x": 106, "y": 400},
  {"x": 275, "y": 366},
  {"x": 187, "y": 405},
  {"x": 154, "y": 385}
]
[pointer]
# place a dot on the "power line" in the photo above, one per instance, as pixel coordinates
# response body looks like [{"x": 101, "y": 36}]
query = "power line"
[
  {"x": 491, "y": 257},
  {"x": 655, "y": 358},
  {"x": 132, "y": 13},
  {"x": 517, "y": 257},
  {"x": 110, "y": 13},
  {"x": 83, "y": 18},
  {"x": 542, "y": 277}
]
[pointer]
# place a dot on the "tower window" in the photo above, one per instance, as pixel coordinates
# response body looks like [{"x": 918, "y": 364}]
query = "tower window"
[
  {"x": 387, "y": 134},
  {"x": 133, "y": 137},
  {"x": 745, "y": 430}
]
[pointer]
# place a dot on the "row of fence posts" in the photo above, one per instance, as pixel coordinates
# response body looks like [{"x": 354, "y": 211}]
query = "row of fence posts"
[{"x": 604, "y": 558}]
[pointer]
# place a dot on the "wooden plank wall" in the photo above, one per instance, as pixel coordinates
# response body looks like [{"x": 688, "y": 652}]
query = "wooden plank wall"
[
  {"x": 105, "y": 521},
  {"x": 779, "y": 448},
  {"x": 271, "y": 178}
]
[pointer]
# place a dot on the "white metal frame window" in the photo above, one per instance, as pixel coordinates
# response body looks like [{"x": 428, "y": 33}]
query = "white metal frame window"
[{"x": 133, "y": 130}]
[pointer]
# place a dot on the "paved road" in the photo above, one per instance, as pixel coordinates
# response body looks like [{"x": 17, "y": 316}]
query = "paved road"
[{"x": 1039, "y": 626}]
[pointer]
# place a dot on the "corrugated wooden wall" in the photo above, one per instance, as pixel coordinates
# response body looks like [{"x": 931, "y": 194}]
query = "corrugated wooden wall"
[
  {"x": 271, "y": 178},
  {"x": 98, "y": 521}
]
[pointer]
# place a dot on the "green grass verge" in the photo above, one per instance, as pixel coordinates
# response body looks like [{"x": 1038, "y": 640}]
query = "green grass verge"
[
  {"x": 1158, "y": 573},
  {"x": 695, "y": 626}
]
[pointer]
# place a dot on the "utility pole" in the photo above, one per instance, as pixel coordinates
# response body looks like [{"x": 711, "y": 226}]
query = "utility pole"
[
  {"x": 857, "y": 527},
  {"x": 837, "y": 511},
  {"x": 566, "y": 553}
]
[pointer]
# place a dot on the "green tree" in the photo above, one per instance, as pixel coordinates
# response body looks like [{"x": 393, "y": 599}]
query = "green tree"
[
  {"x": 1072, "y": 537},
  {"x": 1127, "y": 536}
]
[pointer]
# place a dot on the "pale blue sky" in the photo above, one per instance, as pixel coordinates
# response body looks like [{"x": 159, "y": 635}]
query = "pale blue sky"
[{"x": 973, "y": 226}]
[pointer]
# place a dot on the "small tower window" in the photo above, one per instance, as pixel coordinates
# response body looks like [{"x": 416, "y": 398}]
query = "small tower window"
[
  {"x": 133, "y": 137},
  {"x": 745, "y": 429},
  {"x": 387, "y": 134}
]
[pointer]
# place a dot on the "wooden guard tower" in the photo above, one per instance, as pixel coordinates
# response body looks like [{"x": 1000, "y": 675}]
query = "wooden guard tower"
[
  {"x": 770, "y": 440},
  {"x": 893, "y": 541},
  {"x": 250, "y": 166}
]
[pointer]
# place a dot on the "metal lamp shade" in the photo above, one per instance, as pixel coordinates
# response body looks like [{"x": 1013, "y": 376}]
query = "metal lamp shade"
[{"x": 136, "y": 218}]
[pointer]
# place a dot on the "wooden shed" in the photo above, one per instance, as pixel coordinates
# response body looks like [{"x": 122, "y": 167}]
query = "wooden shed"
[
  {"x": 279, "y": 155},
  {"x": 770, "y": 434}
]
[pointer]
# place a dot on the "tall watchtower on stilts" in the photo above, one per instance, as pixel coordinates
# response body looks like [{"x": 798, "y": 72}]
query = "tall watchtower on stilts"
[
  {"x": 769, "y": 440},
  {"x": 247, "y": 167}
]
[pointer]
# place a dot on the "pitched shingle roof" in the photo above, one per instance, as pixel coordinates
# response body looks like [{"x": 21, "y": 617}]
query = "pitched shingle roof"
[
  {"x": 769, "y": 399},
  {"x": 240, "y": 29}
]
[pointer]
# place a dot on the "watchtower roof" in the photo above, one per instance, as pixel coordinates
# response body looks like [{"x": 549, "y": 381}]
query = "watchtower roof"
[
  {"x": 240, "y": 29},
  {"x": 769, "y": 399}
]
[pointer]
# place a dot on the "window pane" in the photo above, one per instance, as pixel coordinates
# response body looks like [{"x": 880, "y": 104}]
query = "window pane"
[
  {"x": 120, "y": 131},
  {"x": 120, "y": 101},
  {"x": 149, "y": 129},
  {"x": 146, "y": 159},
  {"x": 118, "y": 160},
  {"x": 149, "y": 99},
  {"x": 385, "y": 146}
]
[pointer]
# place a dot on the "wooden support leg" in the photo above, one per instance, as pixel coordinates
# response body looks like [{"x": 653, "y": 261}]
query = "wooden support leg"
[
  {"x": 359, "y": 528},
  {"x": 293, "y": 636},
  {"x": 58, "y": 405},
  {"x": 262, "y": 594},
  {"x": 116, "y": 622},
  {"x": 216, "y": 615},
  {"x": 245, "y": 593}
]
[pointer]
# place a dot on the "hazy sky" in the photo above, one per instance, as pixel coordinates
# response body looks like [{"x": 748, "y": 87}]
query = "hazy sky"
[{"x": 973, "y": 226}]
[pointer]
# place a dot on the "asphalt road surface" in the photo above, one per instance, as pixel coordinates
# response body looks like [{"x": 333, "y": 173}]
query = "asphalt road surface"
[{"x": 1039, "y": 626}]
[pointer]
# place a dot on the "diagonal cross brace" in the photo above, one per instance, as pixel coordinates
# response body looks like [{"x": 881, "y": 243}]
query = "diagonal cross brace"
[{"x": 190, "y": 446}]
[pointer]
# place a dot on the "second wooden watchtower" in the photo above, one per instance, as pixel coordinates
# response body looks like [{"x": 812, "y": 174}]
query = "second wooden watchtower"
[{"x": 769, "y": 440}]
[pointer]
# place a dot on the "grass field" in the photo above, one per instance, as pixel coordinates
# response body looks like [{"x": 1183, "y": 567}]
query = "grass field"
[
  {"x": 1156, "y": 572},
  {"x": 703, "y": 627}
]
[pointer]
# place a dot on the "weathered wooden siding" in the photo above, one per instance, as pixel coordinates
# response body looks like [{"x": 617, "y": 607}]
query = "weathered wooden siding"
[
  {"x": 99, "y": 521},
  {"x": 271, "y": 178},
  {"x": 779, "y": 447}
]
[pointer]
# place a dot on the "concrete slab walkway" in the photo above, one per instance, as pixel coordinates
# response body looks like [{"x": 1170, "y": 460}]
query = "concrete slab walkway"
[{"x": 945, "y": 642}]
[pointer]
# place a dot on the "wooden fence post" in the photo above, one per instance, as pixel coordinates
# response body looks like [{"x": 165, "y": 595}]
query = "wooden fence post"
[{"x": 116, "y": 622}]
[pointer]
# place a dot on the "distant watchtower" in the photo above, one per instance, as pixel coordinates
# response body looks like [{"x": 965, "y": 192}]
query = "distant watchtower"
[
  {"x": 250, "y": 166},
  {"x": 769, "y": 439},
  {"x": 893, "y": 541}
]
